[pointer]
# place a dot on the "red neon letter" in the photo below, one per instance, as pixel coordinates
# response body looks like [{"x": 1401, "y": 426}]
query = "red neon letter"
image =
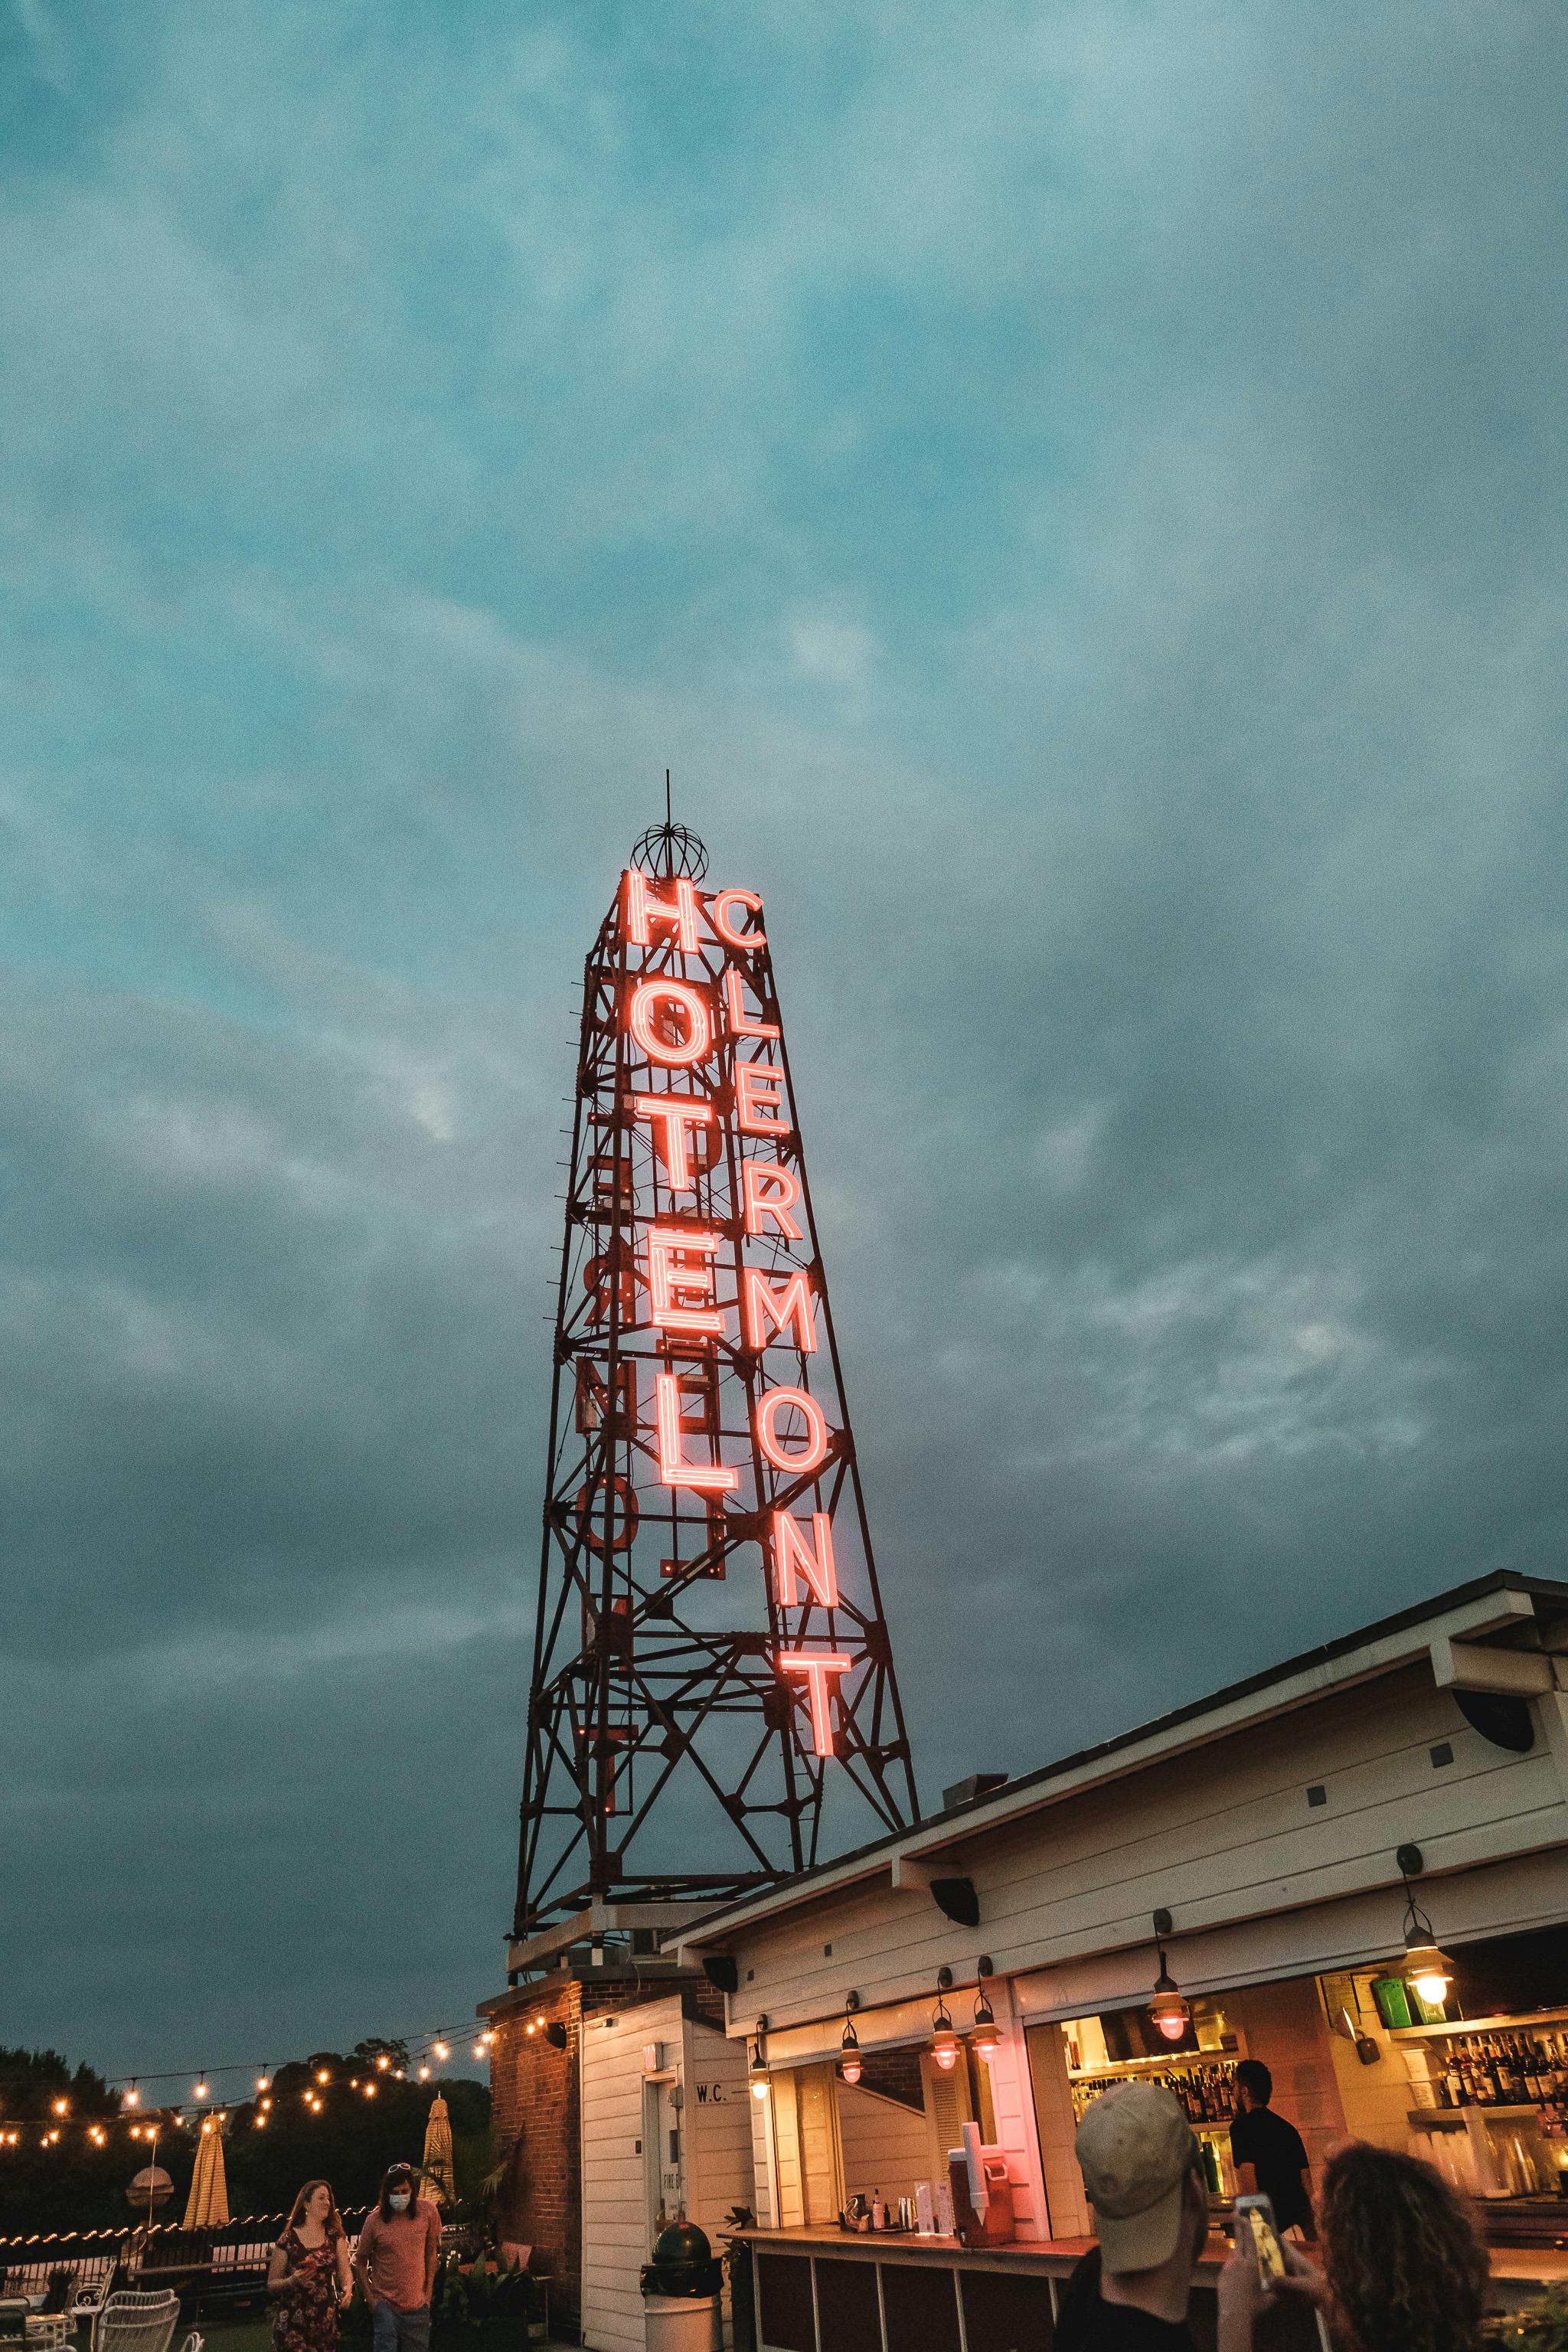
[
  {"x": 643, "y": 910},
  {"x": 769, "y": 1408},
  {"x": 740, "y": 1022},
  {"x": 759, "y": 1098},
  {"x": 674, "y": 1114},
  {"x": 690, "y": 1008},
  {"x": 718, "y": 907},
  {"x": 817, "y": 1665},
  {"x": 814, "y": 1559},
  {"x": 667, "y": 1278},
  {"x": 674, "y": 1470},
  {"x": 774, "y": 1203},
  {"x": 784, "y": 1309}
]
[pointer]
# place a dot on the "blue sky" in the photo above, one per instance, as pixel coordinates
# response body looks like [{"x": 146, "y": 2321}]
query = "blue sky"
[{"x": 1076, "y": 496}]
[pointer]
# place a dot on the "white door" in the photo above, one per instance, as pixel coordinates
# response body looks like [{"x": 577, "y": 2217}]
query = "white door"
[{"x": 663, "y": 2155}]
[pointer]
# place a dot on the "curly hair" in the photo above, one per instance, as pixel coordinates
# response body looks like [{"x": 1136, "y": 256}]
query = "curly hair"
[{"x": 1405, "y": 2268}]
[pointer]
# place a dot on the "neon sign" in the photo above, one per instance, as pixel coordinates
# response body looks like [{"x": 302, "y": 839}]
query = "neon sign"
[{"x": 701, "y": 1466}]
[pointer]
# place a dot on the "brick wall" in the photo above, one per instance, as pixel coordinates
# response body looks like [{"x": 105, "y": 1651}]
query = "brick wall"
[{"x": 536, "y": 2115}]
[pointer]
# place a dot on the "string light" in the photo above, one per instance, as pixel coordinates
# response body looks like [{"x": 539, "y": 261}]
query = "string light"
[
  {"x": 201, "y": 2090},
  {"x": 382, "y": 2061},
  {"x": 370, "y": 2090},
  {"x": 62, "y": 2108},
  {"x": 264, "y": 2080},
  {"x": 322, "y": 2076},
  {"x": 132, "y": 2096},
  {"x": 424, "y": 2073}
]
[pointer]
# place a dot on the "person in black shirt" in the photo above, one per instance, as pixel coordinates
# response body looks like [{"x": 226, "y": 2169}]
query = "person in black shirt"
[
  {"x": 1145, "y": 2179},
  {"x": 1268, "y": 2155}
]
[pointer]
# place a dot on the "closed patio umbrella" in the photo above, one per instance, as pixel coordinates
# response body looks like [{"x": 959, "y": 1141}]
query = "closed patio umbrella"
[
  {"x": 208, "y": 2205},
  {"x": 436, "y": 2163}
]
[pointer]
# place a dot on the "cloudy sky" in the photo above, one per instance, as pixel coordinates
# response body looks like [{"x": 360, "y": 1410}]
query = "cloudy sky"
[{"x": 1076, "y": 494}]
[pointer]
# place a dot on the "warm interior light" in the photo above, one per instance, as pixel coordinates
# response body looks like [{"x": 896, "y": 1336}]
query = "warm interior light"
[
  {"x": 1428, "y": 1972},
  {"x": 1170, "y": 2014},
  {"x": 849, "y": 2055}
]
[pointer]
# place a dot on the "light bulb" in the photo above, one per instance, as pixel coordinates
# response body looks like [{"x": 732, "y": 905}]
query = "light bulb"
[
  {"x": 62, "y": 2106},
  {"x": 442, "y": 2050},
  {"x": 424, "y": 2073},
  {"x": 759, "y": 2090},
  {"x": 264, "y": 2081},
  {"x": 850, "y": 2068},
  {"x": 1433, "y": 1989},
  {"x": 132, "y": 2097},
  {"x": 201, "y": 2090},
  {"x": 323, "y": 2076}
]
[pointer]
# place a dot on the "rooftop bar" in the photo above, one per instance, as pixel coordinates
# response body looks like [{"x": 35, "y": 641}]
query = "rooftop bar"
[{"x": 1351, "y": 1867}]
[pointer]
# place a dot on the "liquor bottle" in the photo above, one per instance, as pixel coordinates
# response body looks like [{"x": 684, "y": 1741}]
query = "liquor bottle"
[{"x": 1455, "y": 2086}]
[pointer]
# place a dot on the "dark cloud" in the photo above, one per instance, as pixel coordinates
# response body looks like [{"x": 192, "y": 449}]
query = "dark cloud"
[{"x": 1077, "y": 499}]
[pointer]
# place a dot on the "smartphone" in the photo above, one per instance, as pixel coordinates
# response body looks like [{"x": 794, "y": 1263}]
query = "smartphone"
[{"x": 1256, "y": 2214}]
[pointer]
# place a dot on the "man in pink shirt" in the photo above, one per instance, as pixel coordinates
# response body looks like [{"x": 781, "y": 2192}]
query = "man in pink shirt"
[{"x": 396, "y": 2264}]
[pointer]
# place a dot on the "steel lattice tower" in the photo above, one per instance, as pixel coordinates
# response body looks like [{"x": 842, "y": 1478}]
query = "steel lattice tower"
[{"x": 679, "y": 1500}]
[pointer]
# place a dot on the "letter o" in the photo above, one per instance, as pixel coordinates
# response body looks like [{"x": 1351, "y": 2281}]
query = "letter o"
[
  {"x": 626, "y": 1524},
  {"x": 647, "y": 997},
  {"x": 769, "y": 1407}
]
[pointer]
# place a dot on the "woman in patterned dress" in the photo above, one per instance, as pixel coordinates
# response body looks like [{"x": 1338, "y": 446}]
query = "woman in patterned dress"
[{"x": 310, "y": 2274}]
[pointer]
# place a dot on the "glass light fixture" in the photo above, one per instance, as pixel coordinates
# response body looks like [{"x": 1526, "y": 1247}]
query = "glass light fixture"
[
  {"x": 1170, "y": 2014},
  {"x": 1427, "y": 1969},
  {"x": 985, "y": 2038},
  {"x": 850, "y": 2047},
  {"x": 943, "y": 2044},
  {"x": 757, "y": 2071}
]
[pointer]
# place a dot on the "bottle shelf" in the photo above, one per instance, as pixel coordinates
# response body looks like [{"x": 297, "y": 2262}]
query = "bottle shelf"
[
  {"x": 1451, "y": 2026},
  {"x": 1431, "y": 2119}
]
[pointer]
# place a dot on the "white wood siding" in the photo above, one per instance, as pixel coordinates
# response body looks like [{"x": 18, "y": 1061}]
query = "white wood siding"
[
  {"x": 615, "y": 2181},
  {"x": 716, "y": 2154},
  {"x": 1219, "y": 1834}
]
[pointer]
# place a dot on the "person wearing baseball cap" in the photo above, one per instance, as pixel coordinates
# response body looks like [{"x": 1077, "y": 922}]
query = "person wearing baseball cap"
[{"x": 1144, "y": 2176}]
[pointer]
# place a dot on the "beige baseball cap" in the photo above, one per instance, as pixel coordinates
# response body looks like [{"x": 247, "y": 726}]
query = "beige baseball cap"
[{"x": 1135, "y": 2147}]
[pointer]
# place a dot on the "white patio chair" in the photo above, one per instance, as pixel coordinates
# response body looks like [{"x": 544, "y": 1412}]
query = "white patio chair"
[{"x": 131, "y": 2321}]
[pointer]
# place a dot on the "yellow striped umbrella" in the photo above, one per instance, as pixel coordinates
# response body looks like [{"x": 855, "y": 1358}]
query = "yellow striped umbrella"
[
  {"x": 436, "y": 2164},
  {"x": 208, "y": 2205}
]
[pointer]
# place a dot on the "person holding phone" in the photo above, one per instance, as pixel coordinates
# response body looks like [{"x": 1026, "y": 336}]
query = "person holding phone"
[{"x": 1268, "y": 2154}]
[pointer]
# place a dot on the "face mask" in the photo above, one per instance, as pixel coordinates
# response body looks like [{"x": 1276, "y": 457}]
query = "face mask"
[{"x": 398, "y": 2199}]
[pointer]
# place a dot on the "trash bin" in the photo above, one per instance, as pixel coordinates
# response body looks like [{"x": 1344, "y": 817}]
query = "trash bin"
[{"x": 681, "y": 2294}]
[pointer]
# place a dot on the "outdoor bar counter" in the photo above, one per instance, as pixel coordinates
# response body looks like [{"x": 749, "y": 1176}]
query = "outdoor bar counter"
[{"x": 829, "y": 2290}]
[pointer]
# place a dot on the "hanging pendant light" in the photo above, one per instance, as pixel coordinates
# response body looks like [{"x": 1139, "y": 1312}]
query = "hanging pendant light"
[
  {"x": 1427, "y": 1969},
  {"x": 986, "y": 2037},
  {"x": 850, "y": 2047},
  {"x": 943, "y": 2046},
  {"x": 1170, "y": 2014}
]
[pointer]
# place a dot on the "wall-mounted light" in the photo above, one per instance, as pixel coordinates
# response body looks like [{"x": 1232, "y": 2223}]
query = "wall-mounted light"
[
  {"x": 943, "y": 2046},
  {"x": 1427, "y": 1970},
  {"x": 1169, "y": 2013},
  {"x": 850, "y": 2047},
  {"x": 757, "y": 2072}
]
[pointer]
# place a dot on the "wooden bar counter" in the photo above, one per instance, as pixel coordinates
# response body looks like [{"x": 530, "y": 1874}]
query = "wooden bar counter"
[{"x": 824, "y": 2290}]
